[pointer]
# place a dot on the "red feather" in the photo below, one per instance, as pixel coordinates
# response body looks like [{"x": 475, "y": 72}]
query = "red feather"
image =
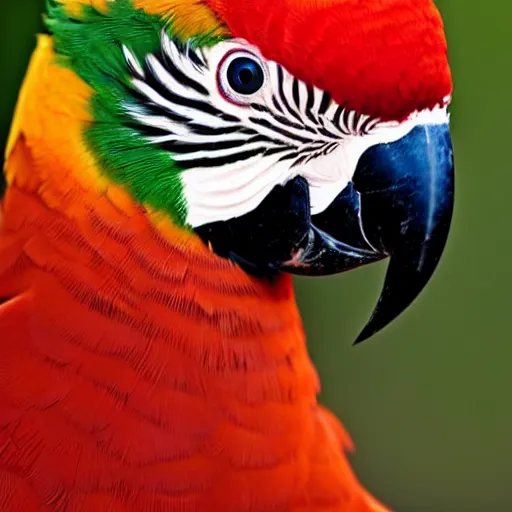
[
  {"x": 138, "y": 374},
  {"x": 383, "y": 58}
]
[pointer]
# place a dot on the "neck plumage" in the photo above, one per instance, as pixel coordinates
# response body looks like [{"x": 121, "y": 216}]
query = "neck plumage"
[
  {"x": 134, "y": 349},
  {"x": 150, "y": 298}
]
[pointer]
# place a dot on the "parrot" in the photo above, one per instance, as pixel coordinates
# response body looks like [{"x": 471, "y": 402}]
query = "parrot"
[{"x": 171, "y": 166}]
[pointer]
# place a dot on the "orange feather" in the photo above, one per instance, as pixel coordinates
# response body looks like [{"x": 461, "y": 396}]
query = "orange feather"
[{"x": 138, "y": 371}]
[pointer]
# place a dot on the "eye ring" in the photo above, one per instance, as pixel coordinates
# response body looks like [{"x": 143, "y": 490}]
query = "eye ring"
[{"x": 241, "y": 76}]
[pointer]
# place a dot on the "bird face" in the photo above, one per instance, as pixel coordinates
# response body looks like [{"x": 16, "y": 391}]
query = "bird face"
[{"x": 273, "y": 164}]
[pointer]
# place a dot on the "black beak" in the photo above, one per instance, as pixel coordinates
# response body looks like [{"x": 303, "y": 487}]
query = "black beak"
[
  {"x": 407, "y": 193},
  {"x": 399, "y": 205}
]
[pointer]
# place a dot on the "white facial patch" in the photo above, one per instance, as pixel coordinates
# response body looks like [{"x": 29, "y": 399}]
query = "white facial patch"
[{"x": 235, "y": 147}]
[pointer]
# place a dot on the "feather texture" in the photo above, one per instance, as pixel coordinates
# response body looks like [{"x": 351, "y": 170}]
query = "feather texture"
[
  {"x": 138, "y": 374},
  {"x": 138, "y": 371}
]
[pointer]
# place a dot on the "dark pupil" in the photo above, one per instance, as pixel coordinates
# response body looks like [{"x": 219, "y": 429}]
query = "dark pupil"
[{"x": 245, "y": 75}]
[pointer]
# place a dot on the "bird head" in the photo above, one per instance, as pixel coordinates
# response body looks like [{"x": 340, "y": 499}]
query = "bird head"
[{"x": 309, "y": 137}]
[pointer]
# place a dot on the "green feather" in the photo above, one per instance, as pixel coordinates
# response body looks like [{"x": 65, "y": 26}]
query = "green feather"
[{"x": 91, "y": 45}]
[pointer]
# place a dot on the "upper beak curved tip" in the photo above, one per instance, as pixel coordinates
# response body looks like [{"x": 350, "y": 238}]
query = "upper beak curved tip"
[
  {"x": 409, "y": 216},
  {"x": 365, "y": 334}
]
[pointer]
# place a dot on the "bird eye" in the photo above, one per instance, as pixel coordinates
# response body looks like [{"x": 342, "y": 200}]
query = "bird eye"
[
  {"x": 241, "y": 76},
  {"x": 245, "y": 75}
]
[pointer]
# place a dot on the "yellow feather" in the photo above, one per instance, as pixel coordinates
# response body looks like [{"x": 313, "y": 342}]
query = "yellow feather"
[{"x": 190, "y": 17}]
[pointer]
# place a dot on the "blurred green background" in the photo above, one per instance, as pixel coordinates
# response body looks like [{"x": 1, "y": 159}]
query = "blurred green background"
[{"x": 427, "y": 400}]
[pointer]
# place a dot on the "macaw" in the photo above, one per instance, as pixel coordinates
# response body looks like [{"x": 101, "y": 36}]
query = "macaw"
[{"x": 171, "y": 165}]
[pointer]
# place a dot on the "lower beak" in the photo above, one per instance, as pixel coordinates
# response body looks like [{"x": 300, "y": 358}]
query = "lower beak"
[{"x": 399, "y": 204}]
